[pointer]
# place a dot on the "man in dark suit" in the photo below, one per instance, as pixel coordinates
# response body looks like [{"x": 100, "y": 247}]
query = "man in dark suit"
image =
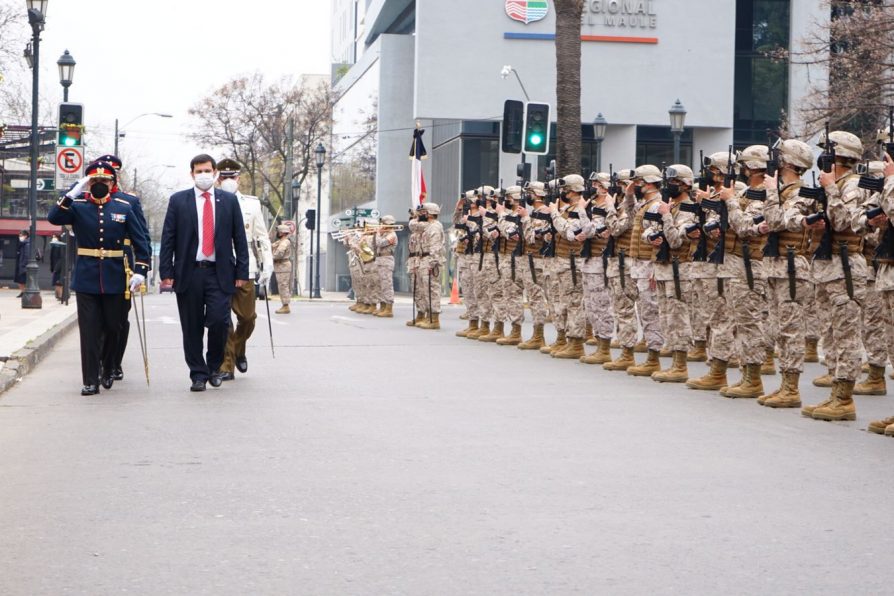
[{"x": 203, "y": 230}]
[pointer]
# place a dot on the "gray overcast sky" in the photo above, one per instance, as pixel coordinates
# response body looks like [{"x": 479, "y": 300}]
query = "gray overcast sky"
[{"x": 136, "y": 56}]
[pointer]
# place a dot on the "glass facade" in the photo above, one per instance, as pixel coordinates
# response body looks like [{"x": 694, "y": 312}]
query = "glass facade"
[
  {"x": 761, "y": 84},
  {"x": 655, "y": 145}
]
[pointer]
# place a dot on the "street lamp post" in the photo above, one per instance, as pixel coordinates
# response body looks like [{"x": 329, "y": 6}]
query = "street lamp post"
[
  {"x": 599, "y": 126},
  {"x": 132, "y": 120},
  {"x": 677, "y": 115},
  {"x": 66, "y": 64},
  {"x": 37, "y": 10},
  {"x": 320, "y": 156}
]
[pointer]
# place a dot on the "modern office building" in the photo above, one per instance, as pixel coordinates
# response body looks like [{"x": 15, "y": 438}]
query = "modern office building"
[{"x": 399, "y": 62}]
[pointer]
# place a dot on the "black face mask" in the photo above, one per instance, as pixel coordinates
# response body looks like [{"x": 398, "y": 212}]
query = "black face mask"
[
  {"x": 99, "y": 190},
  {"x": 423, "y": 218},
  {"x": 743, "y": 176},
  {"x": 673, "y": 190},
  {"x": 638, "y": 192},
  {"x": 564, "y": 197},
  {"x": 709, "y": 177},
  {"x": 529, "y": 200}
]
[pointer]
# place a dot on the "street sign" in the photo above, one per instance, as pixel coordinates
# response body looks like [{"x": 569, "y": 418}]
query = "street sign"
[
  {"x": 45, "y": 184},
  {"x": 292, "y": 226},
  {"x": 69, "y": 166},
  {"x": 335, "y": 223},
  {"x": 42, "y": 183}
]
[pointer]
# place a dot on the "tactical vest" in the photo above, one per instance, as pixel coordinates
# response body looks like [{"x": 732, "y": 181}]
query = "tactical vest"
[
  {"x": 854, "y": 241},
  {"x": 681, "y": 253},
  {"x": 637, "y": 247},
  {"x": 566, "y": 248},
  {"x": 735, "y": 244}
]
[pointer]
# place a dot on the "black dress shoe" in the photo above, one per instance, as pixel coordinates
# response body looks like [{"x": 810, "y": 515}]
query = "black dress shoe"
[
  {"x": 197, "y": 386},
  {"x": 107, "y": 382},
  {"x": 90, "y": 390},
  {"x": 118, "y": 374},
  {"x": 227, "y": 376},
  {"x": 242, "y": 364},
  {"x": 216, "y": 380}
]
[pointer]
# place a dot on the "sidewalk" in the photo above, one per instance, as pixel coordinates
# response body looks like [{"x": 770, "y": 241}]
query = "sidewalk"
[{"x": 27, "y": 335}]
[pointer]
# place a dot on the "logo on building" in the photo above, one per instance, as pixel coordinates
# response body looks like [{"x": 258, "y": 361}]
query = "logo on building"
[{"x": 527, "y": 11}]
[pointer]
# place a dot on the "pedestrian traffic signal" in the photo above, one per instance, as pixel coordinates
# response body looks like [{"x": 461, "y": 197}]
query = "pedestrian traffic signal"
[
  {"x": 71, "y": 124},
  {"x": 513, "y": 126},
  {"x": 310, "y": 219},
  {"x": 537, "y": 128}
]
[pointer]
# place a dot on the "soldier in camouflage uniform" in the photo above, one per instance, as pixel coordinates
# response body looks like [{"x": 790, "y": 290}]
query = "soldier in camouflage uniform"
[
  {"x": 620, "y": 283},
  {"x": 385, "y": 243},
  {"x": 667, "y": 228},
  {"x": 531, "y": 268},
  {"x": 416, "y": 228},
  {"x": 597, "y": 296},
  {"x": 840, "y": 273},
  {"x": 489, "y": 278},
  {"x": 787, "y": 267},
  {"x": 512, "y": 246},
  {"x": 431, "y": 261},
  {"x": 465, "y": 246}
]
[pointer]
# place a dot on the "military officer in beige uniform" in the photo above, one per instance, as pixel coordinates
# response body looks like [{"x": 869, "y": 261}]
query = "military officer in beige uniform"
[
  {"x": 533, "y": 271},
  {"x": 386, "y": 244},
  {"x": 431, "y": 263}
]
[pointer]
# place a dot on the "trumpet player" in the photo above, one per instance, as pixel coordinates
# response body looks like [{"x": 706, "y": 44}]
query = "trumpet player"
[{"x": 385, "y": 243}]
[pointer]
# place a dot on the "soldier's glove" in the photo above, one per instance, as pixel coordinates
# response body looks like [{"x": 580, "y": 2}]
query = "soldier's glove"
[
  {"x": 263, "y": 278},
  {"x": 136, "y": 281},
  {"x": 79, "y": 188}
]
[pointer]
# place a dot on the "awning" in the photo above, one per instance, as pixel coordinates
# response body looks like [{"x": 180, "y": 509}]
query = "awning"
[{"x": 12, "y": 227}]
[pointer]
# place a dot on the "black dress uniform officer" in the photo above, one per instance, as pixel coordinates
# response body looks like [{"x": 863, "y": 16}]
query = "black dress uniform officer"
[
  {"x": 117, "y": 193},
  {"x": 101, "y": 224}
]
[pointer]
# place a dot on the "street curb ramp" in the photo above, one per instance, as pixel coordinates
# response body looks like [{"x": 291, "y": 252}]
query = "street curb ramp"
[{"x": 23, "y": 361}]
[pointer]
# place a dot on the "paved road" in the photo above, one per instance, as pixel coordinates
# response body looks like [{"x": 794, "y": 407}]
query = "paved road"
[{"x": 369, "y": 458}]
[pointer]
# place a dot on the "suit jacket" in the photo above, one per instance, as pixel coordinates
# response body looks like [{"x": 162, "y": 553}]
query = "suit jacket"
[{"x": 180, "y": 240}]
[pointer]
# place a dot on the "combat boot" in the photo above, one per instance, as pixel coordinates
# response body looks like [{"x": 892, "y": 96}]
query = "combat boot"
[
  {"x": 841, "y": 406},
  {"x": 591, "y": 339},
  {"x": 825, "y": 380},
  {"x": 494, "y": 335},
  {"x": 889, "y": 432},
  {"x": 420, "y": 316},
  {"x": 483, "y": 329},
  {"x": 640, "y": 347},
  {"x": 878, "y": 426},
  {"x": 874, "y": 383},
  {"x": 514, "y": 337},
  {"x": 536, "y": 342},
  {"x": 751, "y": 386},
  {"x": 283, "y": 310},
  {"x": 433, "y": 323},
  {"x": 699, "y": 353},
  {"x": 714, "y": 380},
  {"x": 556, "y": 345},
  {"x": 651, "y": 365},
  {"x": 665, "y": 352},
  {"x": 769, "y": 365},
  {"x": 378, "y": 311},
  {"x": 733, "y": 362},
  {"x": 622, "y": 362},
  {"x": 573, "y": 350},
  {"x": 810, "y": 351},
  {"x": 601, "y": 355},
  {"x": 762, "y": 400},
  {"x": 677, "y": 373},
  {"x": 366, "y": 309},
  {"x": 473, "y": 325},
  {"x": 788, "y": 396},
  {"x": 389, "y": 312},
  {"x": 354, "y": 307}
]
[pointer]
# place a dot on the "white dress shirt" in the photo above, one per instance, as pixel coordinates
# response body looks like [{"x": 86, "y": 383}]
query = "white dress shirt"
[{"x": 200, "y": 210}]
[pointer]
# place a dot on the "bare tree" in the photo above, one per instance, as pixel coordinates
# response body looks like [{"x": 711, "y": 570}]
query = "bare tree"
[
  {"x": 248, "y": 119},
  {"x": 568, "y": 63},
  {"x": 857, "y": 50},
  {"x": 15, "y": 107}
]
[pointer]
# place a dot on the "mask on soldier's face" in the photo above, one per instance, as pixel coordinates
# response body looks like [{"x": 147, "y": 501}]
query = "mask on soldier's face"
[
  {"x": 638, "y": 192},
  {"x": 673, "y": 190},
  {"x": 422, "y": 217},
  {"x": 229, "y": 185}
]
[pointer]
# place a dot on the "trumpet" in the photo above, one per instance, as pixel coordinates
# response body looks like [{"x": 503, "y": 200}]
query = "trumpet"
[{"x": 383, "y": 227}]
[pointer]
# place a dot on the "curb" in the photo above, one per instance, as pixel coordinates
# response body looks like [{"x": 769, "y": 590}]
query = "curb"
[{"x": 23, "y": 361}]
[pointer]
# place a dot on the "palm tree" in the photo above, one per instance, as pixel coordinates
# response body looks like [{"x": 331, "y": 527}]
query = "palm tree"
[{"x": 568, "y": 122}]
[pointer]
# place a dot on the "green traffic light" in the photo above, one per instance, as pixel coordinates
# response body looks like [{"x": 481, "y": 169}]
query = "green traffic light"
[
  {"x": 69, "y": 142},
  {"x": 536, "y": 139}
]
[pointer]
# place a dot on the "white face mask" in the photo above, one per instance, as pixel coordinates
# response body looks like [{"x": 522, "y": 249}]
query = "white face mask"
[
  {"x": 229, "y": 185},
  {"x": 204, "y": 180},
  {"x": 22, "y": 238}
]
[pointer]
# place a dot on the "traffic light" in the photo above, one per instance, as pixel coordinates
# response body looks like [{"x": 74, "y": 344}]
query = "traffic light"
[
  {"x": 310, "y": 219},
  {"x": 71, "y": 124},
  {"x": 513, "y": 126},
  {"x": 537, "y": 128}
]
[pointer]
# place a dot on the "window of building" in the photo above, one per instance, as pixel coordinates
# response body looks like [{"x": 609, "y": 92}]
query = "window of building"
[
  {"x": 655, "y": 145},
  {"x": 481, "y": 162},
  {"x": 761, "y": 85}
]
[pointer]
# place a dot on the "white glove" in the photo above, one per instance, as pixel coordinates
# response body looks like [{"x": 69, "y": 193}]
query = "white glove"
[
  {"x": 136, "y": 281},
  {"x": 263, "y": 278},
  {"x": 79, "y": 188}
]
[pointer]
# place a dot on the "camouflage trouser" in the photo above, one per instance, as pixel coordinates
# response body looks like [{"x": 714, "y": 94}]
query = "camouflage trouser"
[
  {"x": 702, "y": 300},
  {"x": 822, "y": 306},
  {"x": 843, "y": 352},
  {"x": 747, "y": 310},
  {"x": 284, "y": 281},
  {"x": 791, "y": 320},
  {"x": 533, "y": 291},
  {"x": 354, "y": 270},
  {"x": 494, "y": 287},
  {"x": 876, "y": 326},
  {"x": 676, "y": 326},
  {"x": 598, "y": 305},
  {"x": 385, "y": 274},
  {"x": 513, "y": 291},
  {"x": 637, "y": 295},
  {"x": 419, "y": 281},
  {"x": 552, "y": 293},
  {"x": 479, "y": 281},
  {"x": 466, "y": 284},
  {"x": 647, "y": 307},
  {"x": 821, "y": 318},
  {"x": 569, "y": 299},
  {"x": 723, "y": 337}
]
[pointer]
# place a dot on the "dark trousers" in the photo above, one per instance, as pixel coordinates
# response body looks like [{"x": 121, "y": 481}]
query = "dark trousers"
[
  {"x": 120, "y": 344},
  {"x": 203, "y": 304},
  {"x": 99, "y": 315}
]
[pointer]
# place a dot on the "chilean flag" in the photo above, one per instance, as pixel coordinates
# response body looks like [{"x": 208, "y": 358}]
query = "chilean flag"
[{"x": 417, "y": 154}]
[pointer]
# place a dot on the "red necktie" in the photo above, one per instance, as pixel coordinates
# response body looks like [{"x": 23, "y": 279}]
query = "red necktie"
[{"x": 207, "y": 226}]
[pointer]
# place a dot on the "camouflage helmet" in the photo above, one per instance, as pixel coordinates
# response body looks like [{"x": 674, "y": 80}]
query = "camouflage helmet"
[
  {"x": 720, "y": 160},
  {"x": 538, "y": 189},
  {"x": 796, "y": 153},
  {"x": 847, "y": 145},
  {"x": 754, "y": 157},
  {"x": 680, "y": 172},
  {"x": 432, "y": 208},
  {"x": 648, "y": 174},
  {"x": 625, "y": 175},
  {"x": 514, "y": 192},
  {"x": 388, "y": 220},
  {"x": 485, "y": 191},
  {"x": 573, "y": 183},
  {"x": 602, "y": 179},
  {"x": 471, "y": 194}
]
